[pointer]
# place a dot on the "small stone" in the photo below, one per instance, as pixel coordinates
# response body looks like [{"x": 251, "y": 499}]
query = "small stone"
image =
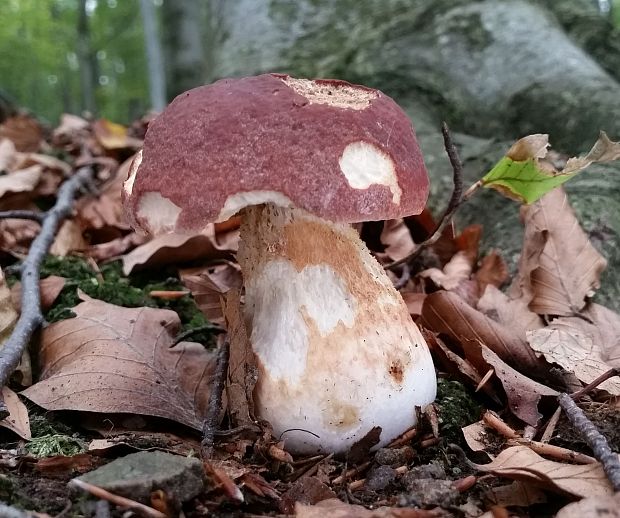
[
  {"x": 379, "y": 478},
  {"x": 429, "y": 492},
  {"x": 432, "y": 470},
  {"x": 137, "y": 475},
  {"x": 394, "y": 456}
]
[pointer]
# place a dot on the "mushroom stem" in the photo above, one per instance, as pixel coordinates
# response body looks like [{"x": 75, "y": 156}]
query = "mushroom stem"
[{"x": 337, "y": 351}]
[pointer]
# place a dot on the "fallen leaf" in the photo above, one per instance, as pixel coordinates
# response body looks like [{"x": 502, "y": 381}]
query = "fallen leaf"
[
  {"x": 9, "y": 156},
  {"x": 117, "y": 247},
  {"x": 457, "y": 270},
  {"x": 208, "y": 284},
  {"x": 114, "y": 136},
  {"x": 604, "y": 150},
  {"x": 24, "y": 131},
  {"x": 68, "y": 239},
  {"x": 8, "y": 313},
  {"x": 334, "y": 508},
  {"x": 50, "y": 288},
  {"x": 523, "y": 393},
  {"x": 307, "y": 491},
  {"x": 585, "y": 348},
  {"x": 16, "y": 235},
  {"x": 477, "y": 436},
  {"x": 414, "y": 301},
  {"x": 607, "y": 506},
  {"x": 23, "y": 180},
  {"x": 18, "y": 420},
  {"x": 521, "y": 463},
  {"x": 513, "y": 314},
  {"x": 519, "y": 494},
  {"x": 559, "y": 267},
  {"x": 397, "y": 239},
  {"x": 447, "y": 314},
  {"x": 175, "y": 248},
  {"x": 492, "y": 271},
  {"x": 114, "y": 359}
]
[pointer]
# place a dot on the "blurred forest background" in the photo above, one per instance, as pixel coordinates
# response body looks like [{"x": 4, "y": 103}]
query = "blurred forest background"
[{"x": 119, "y": 58}]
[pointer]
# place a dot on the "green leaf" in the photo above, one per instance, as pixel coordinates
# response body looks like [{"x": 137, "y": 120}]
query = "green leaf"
[{"x": 524, "y": 181}]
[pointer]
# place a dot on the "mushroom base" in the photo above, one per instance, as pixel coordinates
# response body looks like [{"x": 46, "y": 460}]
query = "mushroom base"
[{"x": 337, "y": 351}]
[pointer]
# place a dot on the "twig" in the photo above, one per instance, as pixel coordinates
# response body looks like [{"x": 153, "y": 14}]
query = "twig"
[
  {"x": 551, "y": 424},
  {"x": 31, "y": 317},
  {"x": 23, "y": 214},
  {"x": 594, "y": 384},
  {"x": 121, "y": 501},
  {"x": 214, "y": 408},
  {"x": 456, "y": 200},
  {"x": 555, "y": 452},
  {"x": 493, "y": 421},
  {"x": 597, "y": 442}
]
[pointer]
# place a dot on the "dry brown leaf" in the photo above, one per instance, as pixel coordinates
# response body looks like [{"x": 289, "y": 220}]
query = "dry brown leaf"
[
  {"x": 559, "y": 268},
  {"x": 457, "y": 270},
  {"x": 17, "y": 234},
  {"x": 523, "y": 393},
  {"x": 585, "y": 348},
  {"x": 519, "y": 494},
  {"x": 50, "y": 288},
  {"x": 414, "y": 301},
  {"x": 9, "y": 156},
  {"x": 117, "y": 247},
  {"x": 604, "y": 150},
  {"x": 492, "y": 271},
  {"x": 176, "y": 248},
  {"x": 397, "y": 239},
  {"x": 18, "y": 420},
  {"x": 594, "y": 506},
  {"x": 513, "y": 314},
  {"x": 68, "y": 239},
  {"x": 446, "y": 313},
  {"x": 334, "y": 508},
  {"x": 476, "y": 436},
  {"x": 24, "y": 131},
  {"x": 242, "y": 369},
  {"x": 23, "y": 180},
  {"x": 8, "y": 313},
  {"x": 208, "y": 284},
  {"x": 521, "y": 463},
  {"x": 114, "y": 359}
]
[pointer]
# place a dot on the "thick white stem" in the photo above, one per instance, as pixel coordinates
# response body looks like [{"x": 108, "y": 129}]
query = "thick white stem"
[{"x": 338, "y": 353}]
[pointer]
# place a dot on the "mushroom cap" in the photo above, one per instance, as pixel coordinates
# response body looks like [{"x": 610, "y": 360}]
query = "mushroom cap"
[{"x": 342, "y": 152}]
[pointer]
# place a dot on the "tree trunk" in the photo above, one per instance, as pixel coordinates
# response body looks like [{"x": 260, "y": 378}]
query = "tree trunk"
[
  {"x": 86, "y": 60},
  {"x": 184, "y": 44},
  {"x": 157, "y": 81}
]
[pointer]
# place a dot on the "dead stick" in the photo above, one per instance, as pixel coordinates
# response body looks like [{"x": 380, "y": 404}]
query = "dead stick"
[
  {"x": 214, "y": 408},
  {"x": 31, "y": 317},
  {"x": 556, "y": 452},
  {"x": 594, "y": 384},
  {"x": 456, "y": 199},
  {"x": 597, "y": 441},
  {"x": 23, "y": 214},
  {"x": 121, "y": 501}
]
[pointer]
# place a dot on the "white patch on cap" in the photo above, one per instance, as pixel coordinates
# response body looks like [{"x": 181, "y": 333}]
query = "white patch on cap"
[
  {"x": 276, "y": 301},
  {"x": 336, "y": 94},
  {"x": 159, "y": 213},
  {"x": 238, "y": 201},
  {"x": 128, "y": 185},
  {"x": 364, "y": 165}
]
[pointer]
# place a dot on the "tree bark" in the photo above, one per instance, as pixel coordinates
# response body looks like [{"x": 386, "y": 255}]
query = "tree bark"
[
  {"x": 184, "y": 44},
  {"x": 157, "y": 81},
  {"x": 86, "y": 60}
]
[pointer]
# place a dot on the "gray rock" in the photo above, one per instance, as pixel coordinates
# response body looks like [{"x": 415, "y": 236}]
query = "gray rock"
[{"x": 137, "y": 475}]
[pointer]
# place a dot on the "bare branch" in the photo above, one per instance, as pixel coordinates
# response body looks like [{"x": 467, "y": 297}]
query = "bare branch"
[
  {"x": 23, "y": 214},
  {"x": 31, "y": 317}
]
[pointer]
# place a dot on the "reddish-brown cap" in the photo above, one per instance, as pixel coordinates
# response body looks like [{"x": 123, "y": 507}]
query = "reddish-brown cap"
[{"x": 342, "y": 152}]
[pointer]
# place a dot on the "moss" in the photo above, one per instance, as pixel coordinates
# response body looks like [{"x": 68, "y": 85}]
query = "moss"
[
  {"x": 456, "y": 408},
  {"x": 117, "y": 289},
  {"x": 55, "y": 444}
]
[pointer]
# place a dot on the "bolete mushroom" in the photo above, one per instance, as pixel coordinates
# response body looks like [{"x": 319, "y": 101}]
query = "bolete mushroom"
[{"x": 337, "y": 351}]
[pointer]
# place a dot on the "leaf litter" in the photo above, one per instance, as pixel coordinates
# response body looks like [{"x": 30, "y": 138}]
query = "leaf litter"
[{"x": 117, "y": 360}]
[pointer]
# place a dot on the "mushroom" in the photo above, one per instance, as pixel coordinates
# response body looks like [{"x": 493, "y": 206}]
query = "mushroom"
[{"x": 337, "y": 351}]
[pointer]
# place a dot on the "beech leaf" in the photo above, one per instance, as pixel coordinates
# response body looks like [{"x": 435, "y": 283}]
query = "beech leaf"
[
  {"x": 521, "y": 176},
  {"x": 18, "y": 420},
  {"x": 122, "y": 360},
  {"x": 521, "y": 463}
]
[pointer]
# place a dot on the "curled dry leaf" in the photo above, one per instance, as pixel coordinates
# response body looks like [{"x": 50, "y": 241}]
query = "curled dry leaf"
[
  {"x": 23, "y": 180},
  {"x": 559, "y": 268},
  {"x": 208, "y": 285},
  {"x": 18, "y": 420},
  {"x": 447, "y": 314},
  {"x": 397, "y": 240},
  {"x": 117, "y": 247},
  {"x": 24, "y": 131},
  {"x": 521, "y": 463},
  {"x": 68, "y": 239},
  {"x": 114, "y": 359},
  {"x": 457, "y": 270},
  {"x": 585, "y": 348},
  {"x": 519, "y": 494},
  {"x": 601, "y": 506},
  {"x": 477, "y": 436},
  {"x": 9, "y": 156},
  {"x": 176, "y": 248},
  {"x": 114, "y": 136},
  {"x": 50, "y": 288},
  {"x": 335, "y": 508},
  {"x": 492, "y": 271}
]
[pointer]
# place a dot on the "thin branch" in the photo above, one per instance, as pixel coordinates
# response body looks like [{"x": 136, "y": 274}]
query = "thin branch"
[
  {"x": 214, "y": 408},
  {"x": 31, "y": 316},
  {"x": 597, "y": 441},
  {"x": 456, "y": 199},
  {"x": 23, "y": 214},
  {"x": 594, "y": 384}
]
